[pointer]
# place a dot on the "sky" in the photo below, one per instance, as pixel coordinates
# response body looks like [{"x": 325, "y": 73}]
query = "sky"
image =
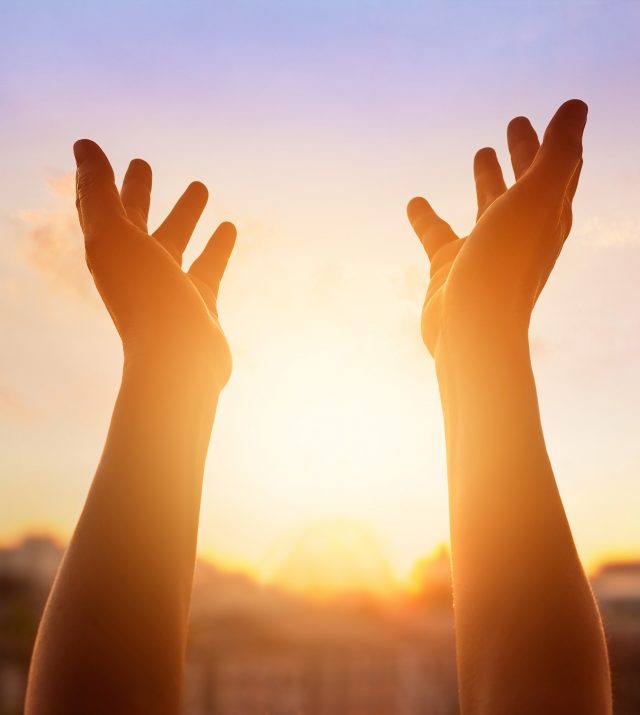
[{"x": 312, "y": 124}]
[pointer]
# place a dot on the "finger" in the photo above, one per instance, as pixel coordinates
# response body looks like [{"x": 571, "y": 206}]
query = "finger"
[
  {"x": 567, "y": 211},
  {"x": 445, "y": 256},
  {"x": 488, "y": 177},
  {"x": 136, "y": 192},
  {"x": 561, "y": 148},
  {"x": 175, "y": 231},
  {"x": 573, "y": 183},
  {"x": 523, "y": 144},
  {"x": 97, "y": 197},
  {"x": 211, "y": 263},
  {"x": 432, "y": 231}
]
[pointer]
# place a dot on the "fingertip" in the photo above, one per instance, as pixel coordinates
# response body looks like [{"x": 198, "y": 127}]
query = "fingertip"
[
  {"x": 140, "y": 172},
  {"x": 486, "y": 162},
  {"x": 228, "y": 229},
  {"x": 574, "y": 112},
  {"x": 91, "y": 158},
  {"x": 96, "y": 191},
  {"x": 224, "y": 239},
  {"x": 561, "y": 148},
  {"x": 83, "y": 149},
  {"x": 520, "y": 119},
  {"x": 566, "y": 129},
  {"x": 416, "y": 206},
  {"x": 212, "y": 262},
  {"x": 139, "y": 165},
  {"x": 518, "y": 127},
  {"x": 197, "y": 188},
  {"x": 487, "y": 153},
  {"x": 576, "y": 105}
]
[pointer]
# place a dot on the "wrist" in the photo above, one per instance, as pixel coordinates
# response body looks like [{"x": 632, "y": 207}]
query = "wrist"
[
  {"x": 204, "y": 365},
  {"x": 479, "y": 372},
  {"x": 174, "y": 371},
  {"x": 489, "y": 404},
  {"x": 477, "y": 344}
]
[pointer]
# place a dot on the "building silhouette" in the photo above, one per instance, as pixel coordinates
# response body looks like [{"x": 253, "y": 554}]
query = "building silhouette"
[{"x": 259, "y": 650}]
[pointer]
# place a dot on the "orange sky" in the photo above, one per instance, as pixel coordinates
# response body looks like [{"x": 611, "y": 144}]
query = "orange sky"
[{"x": 312, "y": 126}]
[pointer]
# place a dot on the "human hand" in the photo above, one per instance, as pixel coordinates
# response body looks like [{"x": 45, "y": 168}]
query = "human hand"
[
  {"x": 485, "y": 285},
  {"x": 160, "y": 311}
]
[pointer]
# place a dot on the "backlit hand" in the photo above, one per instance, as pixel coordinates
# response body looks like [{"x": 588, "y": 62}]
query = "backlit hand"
[
  {"x": 160, "y": 311},
  {"x": 489, "y": 281}
]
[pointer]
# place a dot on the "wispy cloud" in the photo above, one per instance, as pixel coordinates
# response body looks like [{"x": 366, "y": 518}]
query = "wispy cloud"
[
  {"x": 53, "y": 242},
  {"x": 609, "y": 232}
]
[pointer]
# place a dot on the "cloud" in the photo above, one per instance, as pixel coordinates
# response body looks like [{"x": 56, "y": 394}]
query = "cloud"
[
  {"x": 53, "y": 242},
  {"x": 609, "y": 232}
]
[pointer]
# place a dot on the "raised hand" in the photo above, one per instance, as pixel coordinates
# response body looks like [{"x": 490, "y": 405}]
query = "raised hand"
[
  {"x": 528, "y": 633},
  {"x": 490, "y": 280},
  {"x": 113, "y": 635},
  {"x": 159, "y": 310}
]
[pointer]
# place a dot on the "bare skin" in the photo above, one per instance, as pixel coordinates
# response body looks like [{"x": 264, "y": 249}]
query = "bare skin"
[
  {"x": 113, "y": 634},
  {"x": 529, "y": 636}
]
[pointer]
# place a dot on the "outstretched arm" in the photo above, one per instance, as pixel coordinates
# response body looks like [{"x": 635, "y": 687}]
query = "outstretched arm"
[
  {"x": 529, "y": 636},
  {"x": 113, "y": 634}
]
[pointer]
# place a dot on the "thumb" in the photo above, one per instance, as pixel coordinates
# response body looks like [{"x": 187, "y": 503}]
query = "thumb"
[
  {"x": 432, "y": 231},
  {"x": 561, "y": 149},
  {"x": 211, "y": 263},
  {"x": 97, "y": 197}
]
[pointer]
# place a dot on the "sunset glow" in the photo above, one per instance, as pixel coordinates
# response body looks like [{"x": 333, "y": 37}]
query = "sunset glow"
[{"x": 312, "y": 125}]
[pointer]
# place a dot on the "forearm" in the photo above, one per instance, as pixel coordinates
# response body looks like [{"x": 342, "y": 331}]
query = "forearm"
[
  {"x": 113, "y": 634},
  {"x": 529, "y": 636}
]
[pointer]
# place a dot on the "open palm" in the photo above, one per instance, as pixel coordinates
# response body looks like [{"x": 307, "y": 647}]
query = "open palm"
[
  {"x": 156, "y": 306},
  {"x": 490, "y": 280}
]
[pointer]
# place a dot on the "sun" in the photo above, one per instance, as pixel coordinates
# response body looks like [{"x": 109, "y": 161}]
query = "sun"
[{"x": 334, "y": 557}]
